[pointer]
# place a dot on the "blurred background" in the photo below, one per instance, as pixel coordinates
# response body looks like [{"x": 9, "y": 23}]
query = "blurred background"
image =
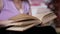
[{"x": 54, "y": 5}]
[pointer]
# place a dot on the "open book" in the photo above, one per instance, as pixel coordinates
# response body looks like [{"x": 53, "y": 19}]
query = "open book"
[{"x": 24, "y": 22}]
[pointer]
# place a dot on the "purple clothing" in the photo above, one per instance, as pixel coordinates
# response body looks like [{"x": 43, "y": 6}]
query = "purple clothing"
[{"x": 9, "y": 10}]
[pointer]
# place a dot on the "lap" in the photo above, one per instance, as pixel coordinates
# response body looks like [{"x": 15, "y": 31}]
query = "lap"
[
  {"x": 39, "y": 30},
  {"x": 46, "y": 30}
]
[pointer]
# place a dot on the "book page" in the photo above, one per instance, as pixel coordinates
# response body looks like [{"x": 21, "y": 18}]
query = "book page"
[
  {"x": 49, "y": 17},
  {"x": 24, "y": 23},
  {"x": 41, "y": 12},
  {"x": 21, "y": 17},
  {"x": 21, "y": 28}
]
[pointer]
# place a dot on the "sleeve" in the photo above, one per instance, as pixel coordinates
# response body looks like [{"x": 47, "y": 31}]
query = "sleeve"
[{"x": 5, "y": 14}]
